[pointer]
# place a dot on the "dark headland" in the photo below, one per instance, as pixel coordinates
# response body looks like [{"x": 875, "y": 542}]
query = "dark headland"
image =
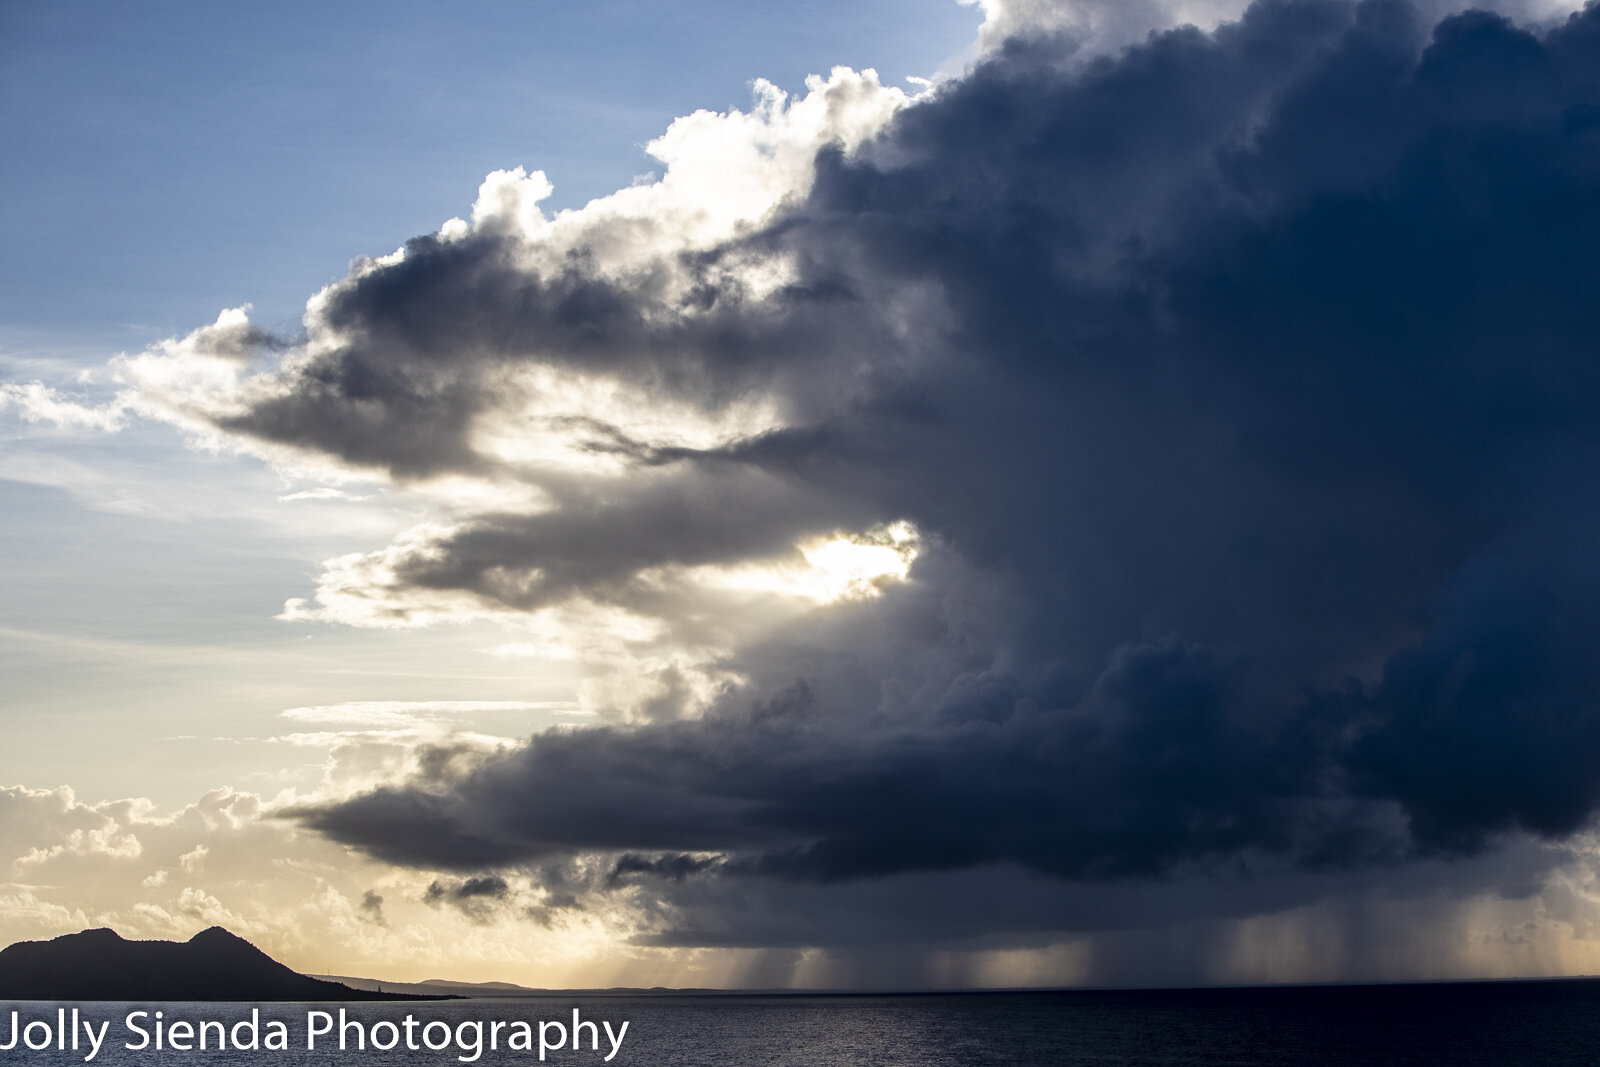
[{"x": 212, "y": 965}]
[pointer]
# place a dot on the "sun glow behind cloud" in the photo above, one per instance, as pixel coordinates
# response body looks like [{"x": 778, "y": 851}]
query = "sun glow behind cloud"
[{"x": 832, "y": 568}]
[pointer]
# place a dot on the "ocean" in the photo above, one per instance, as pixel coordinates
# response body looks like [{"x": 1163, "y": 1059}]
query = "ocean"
[{"x": 1503, "y": 1024}]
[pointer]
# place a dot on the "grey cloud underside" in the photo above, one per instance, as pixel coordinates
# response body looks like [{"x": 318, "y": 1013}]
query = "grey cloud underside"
[
  {"x": 429, "y": 338},
  {"x": 1255, "y": 447},
  {"x": 596, "y": 546},
  {"x": 476, "y": 898}
]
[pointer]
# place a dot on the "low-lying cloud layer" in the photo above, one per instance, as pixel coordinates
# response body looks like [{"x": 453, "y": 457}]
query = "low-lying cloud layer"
[{"x": 1228, "y": 409}]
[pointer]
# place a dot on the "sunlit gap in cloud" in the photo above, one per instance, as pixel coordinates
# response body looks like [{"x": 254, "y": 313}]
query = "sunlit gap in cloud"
[{"x": 836, "y": 567}]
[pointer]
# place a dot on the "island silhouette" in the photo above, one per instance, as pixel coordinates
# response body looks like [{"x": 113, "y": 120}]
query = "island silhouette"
[{"x": 214, "y": 964}]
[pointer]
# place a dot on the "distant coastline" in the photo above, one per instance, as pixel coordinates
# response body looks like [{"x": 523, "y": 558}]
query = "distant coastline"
[
  {"x": 433, "y": 987},
  {"x": 1347, "y": 990},
  {"x": 213, "y": 965},
  {"x": 217, "y": 965}
]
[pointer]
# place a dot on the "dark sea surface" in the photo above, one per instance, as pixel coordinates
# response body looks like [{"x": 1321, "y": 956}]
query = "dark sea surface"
[{"x": 1499, "y": 1023}]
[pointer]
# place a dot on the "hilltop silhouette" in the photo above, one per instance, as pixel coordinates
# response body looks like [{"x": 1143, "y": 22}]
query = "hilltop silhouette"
[{"x": 212, "y": 965}]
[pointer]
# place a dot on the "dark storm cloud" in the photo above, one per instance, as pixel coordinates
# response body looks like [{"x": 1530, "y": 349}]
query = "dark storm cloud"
[
  {"x": 426, "y": 343},
  {"x": 478, "y": 899},
  {"x": 1142, "y": 774},
  {"x": 672, "y": 867},
  {"x": 1256, "y": 448},
  {"x": 595, "y": 544},
  {"x": 372, "y": 908},
  {"x": 467, "y": 890}
]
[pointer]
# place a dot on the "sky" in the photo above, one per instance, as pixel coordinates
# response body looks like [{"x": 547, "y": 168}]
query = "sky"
[{"x": 897, "y": 494}]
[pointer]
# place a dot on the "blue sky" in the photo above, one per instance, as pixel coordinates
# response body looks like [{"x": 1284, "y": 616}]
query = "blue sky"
[{"x": 166, "y": 161}]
